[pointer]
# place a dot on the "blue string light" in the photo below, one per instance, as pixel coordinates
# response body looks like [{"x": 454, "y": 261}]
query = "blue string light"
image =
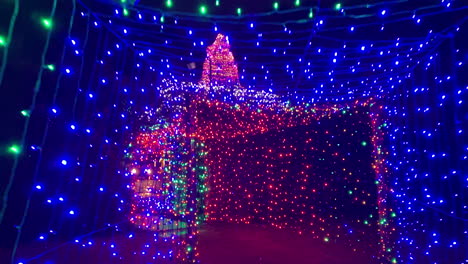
[{"x": 415, "y": 74}]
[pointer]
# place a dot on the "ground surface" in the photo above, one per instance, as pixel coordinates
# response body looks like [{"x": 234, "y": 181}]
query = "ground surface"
[{"x": 216, "y": 243}]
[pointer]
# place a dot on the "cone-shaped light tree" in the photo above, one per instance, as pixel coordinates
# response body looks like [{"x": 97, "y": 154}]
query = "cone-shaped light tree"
[{"x": 219, "y": 67}]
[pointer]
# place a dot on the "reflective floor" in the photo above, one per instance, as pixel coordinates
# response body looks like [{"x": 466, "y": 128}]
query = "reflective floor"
[
  {"x": 248, "y": 244},
  {"x": 216, "y": 243}
]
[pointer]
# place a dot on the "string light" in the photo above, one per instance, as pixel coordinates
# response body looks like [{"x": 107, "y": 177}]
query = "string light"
[
  {"x": 275, "y": 5},
  {"x": 338, "y": 6},
  {"x": 211, "y": 129},
  {"x": 25, "y": 113},
  {"x": 367, "y": 101},
  {"x": 50, "y": 67},
  {"x": 47, "y": 23},
  {"x": 14, "y": 149},
  {"x": 3, "y": 41},
  {"x": 203, "y": 10},
  {"x": 220, "y": 65}
]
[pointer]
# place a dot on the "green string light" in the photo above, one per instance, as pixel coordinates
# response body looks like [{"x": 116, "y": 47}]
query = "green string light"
[
  {"x": 3, "y": 41},
  {"x": 14, "y": 149},
  {"x": 161, "y": 19},
  {"x": 364, "y": 143},
  {"x": 25, "y": 113},
  {"x": 297, "y": 3},
  {"x": 169, "y": 3},
  {"x": 311, "y": 13},
  {"x": 338, "y": 6},
  {"x": 50, "y": 67},
  {"x": 203, "y": 9},
  {"x": 276, "y": 5},
  {"x": 239, "y": 11},
  {"x": 125, "y": 12},
  {"x": 217, "y": 3},
  {"x": 47, "y": 23}
]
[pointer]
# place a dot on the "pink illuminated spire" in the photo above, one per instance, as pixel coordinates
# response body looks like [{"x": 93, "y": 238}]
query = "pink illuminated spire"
[{"x": 219, "y": 66}]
